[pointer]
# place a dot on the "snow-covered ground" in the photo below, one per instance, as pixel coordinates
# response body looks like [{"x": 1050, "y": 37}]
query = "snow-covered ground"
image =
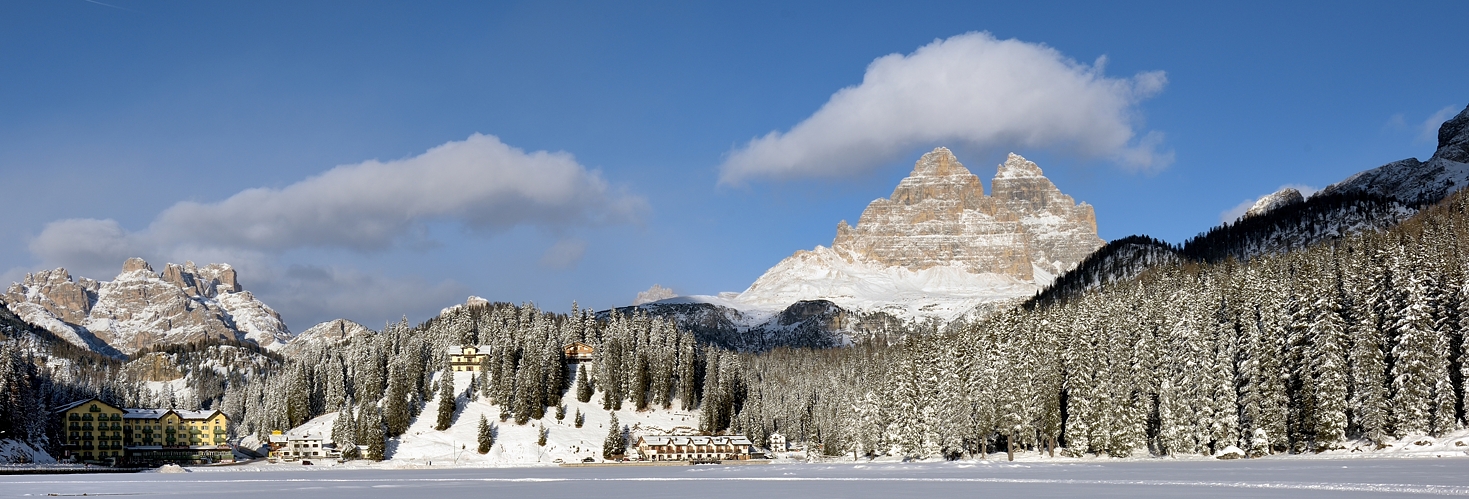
[
  {"x": 1294, "y": 478},
  {"x": 18, "y": 452},
  {"x": 423, "y": 446}
]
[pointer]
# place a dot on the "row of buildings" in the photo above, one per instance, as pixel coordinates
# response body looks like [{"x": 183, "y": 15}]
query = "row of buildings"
[
  {"x": 94, "y": 431},
  {"x": 694, "y": 447}
]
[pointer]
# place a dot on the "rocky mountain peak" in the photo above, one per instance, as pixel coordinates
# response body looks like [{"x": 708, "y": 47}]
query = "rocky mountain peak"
[
  {"x": 135, "y": 264},
  {"x": 1017, "y": 166},
  {"x": 1453, "y": 138},
  {"x": 1412, "y": 181},
  {"x": 939, "y": 215},
  {"x": 141, "y": 308},
  {"x": 1283, "y": 197},
  {"x": 939, "y": 176},
  {"x": 939, "y": 234}
]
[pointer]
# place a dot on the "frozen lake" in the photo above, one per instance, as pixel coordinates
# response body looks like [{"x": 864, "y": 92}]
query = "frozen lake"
[{"x": 1294, "y": 478}]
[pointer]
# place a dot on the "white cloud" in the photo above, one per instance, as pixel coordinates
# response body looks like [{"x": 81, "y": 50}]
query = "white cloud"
[
  {"x": 479, "y": 183},
  {"x": 973, "y": 90},
  {"x": 1428, "y": 131}
]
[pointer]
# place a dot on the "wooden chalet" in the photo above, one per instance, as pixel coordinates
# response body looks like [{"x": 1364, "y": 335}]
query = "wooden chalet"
[{"x": 577, "y": 351}]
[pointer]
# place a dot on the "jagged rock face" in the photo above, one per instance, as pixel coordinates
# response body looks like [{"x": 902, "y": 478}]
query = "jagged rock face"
[
  {"x": 1059, "y": 231},
  {"x": 141, "y": 308},
  {"x": 1413, "y": 181},
  {"x": 55, "y": 292},
  {"x": 655, "y": 293},
  {"x": 1268, "y": 202},
  {"x": 327, "y": 333},
  {"x": 940, "y": 216},
  {"x": 939, "y": 247}
]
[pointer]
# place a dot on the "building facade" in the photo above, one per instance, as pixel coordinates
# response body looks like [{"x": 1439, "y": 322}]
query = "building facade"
[
  {"x": 694, "y": 448},
  {"x": 467, "y": 358},
  {"x": 301, "y": 445},
  {"x": 91, "y": 431},
  {"x": 577, "y": 351},
  {"x": 95, "y": 431}
]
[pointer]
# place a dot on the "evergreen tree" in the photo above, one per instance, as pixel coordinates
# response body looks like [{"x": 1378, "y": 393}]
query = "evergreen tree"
[
  {"x": 580, "y": 418},
  {"x": 486, "y": 435},
  {"x": 448, "y": 401},
  {"x": 374, "y": 434},
  {"x": 616, "y": 443},
  {"x": 583, "y": 385}
]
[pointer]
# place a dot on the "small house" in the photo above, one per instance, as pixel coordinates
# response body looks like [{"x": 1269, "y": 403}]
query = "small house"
[
  {"x": 577, "y": 351},
  {"x": 467, "y": 358}
]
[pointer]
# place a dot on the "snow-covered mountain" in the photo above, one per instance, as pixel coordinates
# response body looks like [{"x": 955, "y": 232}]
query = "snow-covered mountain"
[
  {"x": 1284, "y": 197},
  {"x": 937, "y": 248},
  {"x": 142, "y": 308},
  {"x": 327, "y": 333},
  {"x": 1416, "y": 182}
]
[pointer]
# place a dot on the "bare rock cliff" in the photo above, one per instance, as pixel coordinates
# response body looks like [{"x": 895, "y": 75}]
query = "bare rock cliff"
[
  {"x": 940, "y": 216},
  {"x": 142, "y": 308}
]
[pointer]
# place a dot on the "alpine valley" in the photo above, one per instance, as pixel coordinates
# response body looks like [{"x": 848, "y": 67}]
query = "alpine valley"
[{"x": 946, "y": 323}]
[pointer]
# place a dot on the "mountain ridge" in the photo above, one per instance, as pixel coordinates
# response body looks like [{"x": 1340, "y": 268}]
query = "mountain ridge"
[{"x": 141, "y": 308}]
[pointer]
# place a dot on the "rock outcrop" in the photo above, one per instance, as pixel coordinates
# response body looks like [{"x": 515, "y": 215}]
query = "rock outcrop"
[
  {"x": 142, "y": 308},
  {"x": 655, "y": 293},
  {"x": 1418, "y": 182},
  {"x": 326, "y": 334},
  {"x": 938, "y": 246},
  {"x": 1284, "y": 197},
  {"x": 940, "y": 216}
]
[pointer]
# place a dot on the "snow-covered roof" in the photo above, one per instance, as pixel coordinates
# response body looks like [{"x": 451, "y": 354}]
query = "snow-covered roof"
[
  {"x": 144, "y": 413},
  {"x": 457, "y": 350},
  {"x": 158, "y": 413},
  {"x": 197, "y": 414},
  {"x": 694, "y": 440},
  {"x": 73, "y": 405}
]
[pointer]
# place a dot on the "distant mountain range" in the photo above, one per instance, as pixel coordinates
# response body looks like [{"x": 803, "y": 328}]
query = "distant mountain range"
[
  {"x": 142, "y": 308},
  {"x": 937, "y": 249}
]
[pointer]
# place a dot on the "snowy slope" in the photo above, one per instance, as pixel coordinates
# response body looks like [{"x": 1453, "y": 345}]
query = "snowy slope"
[
  {"x": 941, "y": 292},
  {"x": 423, "y": 446}
]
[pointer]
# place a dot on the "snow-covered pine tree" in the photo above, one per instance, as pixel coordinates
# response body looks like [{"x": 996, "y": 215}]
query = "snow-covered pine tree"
[
  {"x": 448, "y": 401},
  {"x": 583, "y": 385},
  {"x": 486, "y": 435},
  {"x": 615, "y": 444},
  {"x": 1328, "y": 341},
  {"x": 373, "y": 432}
]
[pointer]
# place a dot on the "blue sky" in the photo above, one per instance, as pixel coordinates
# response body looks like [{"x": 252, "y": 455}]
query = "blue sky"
[{"x": 206, "y": 131}]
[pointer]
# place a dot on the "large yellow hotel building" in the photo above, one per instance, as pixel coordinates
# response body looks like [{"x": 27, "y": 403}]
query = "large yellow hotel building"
[{"x": 99, "y": 432}]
